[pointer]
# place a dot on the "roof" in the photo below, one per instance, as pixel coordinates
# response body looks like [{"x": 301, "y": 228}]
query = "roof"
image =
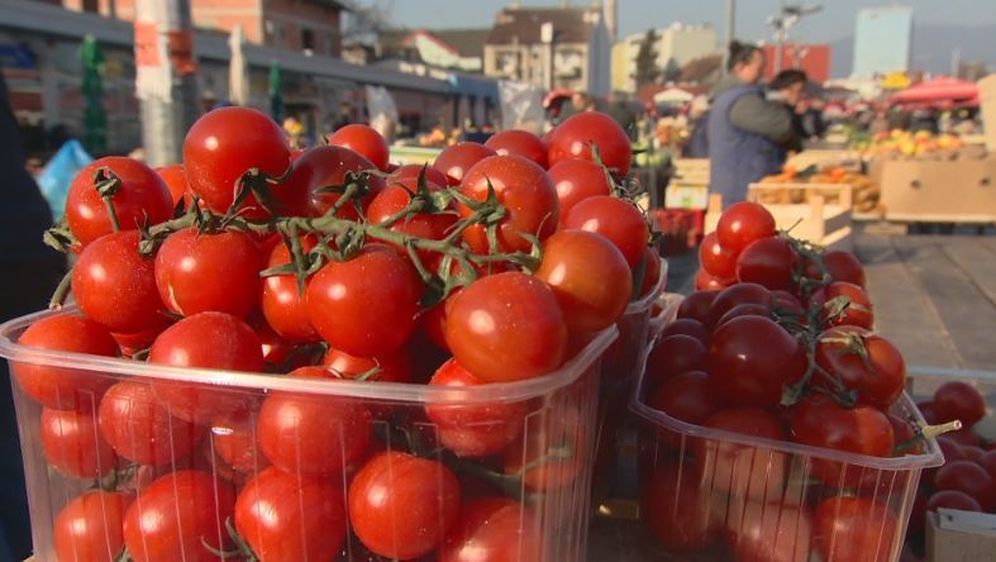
[
  {"x": 523, "y": 25},
  {"x": 467, "y": 42},
  {"x": 341, "y": 5}
]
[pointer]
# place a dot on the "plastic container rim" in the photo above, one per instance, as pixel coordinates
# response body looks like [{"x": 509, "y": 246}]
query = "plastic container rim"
[
  {"x": 645, "y": 302},
  {"x": 402, "y": 392}
]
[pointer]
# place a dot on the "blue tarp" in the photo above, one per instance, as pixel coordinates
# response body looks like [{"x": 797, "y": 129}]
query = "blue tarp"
[{"x": 59, "y": 172}]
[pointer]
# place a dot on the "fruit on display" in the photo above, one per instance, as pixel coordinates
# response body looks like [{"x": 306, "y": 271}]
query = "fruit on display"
[{"x": 865, "y": 193}]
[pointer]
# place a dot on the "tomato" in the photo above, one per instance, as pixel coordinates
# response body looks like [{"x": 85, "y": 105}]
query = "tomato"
[
  {"x": 283, "y": 305},
  {"x": 770, "y": 262},
  {"x": 433, "y": 226},
  {"x": 551, "y": 453},
  {"x": 751, "y": 359},
  {"x": 408, "y": 174},
  {"x": 402, "y": 506},
  {"x": 115, "y": 286},
  {"x": 969, "y": 477},
  {"x": 365, "y": 306},
  {"x": 927, "y": 410},
  {"x": 844, "y": 303},
  {"x": 964, "y": 436},
  {"x": 974, "y": 454},
  {"x": 176, "y": 181},
  {"x": 819, "y": 421},
  {"x": 953, "y": 499},
  {"x": 688, "y": 396},
  {"x": 854, "y": 529},
  {"x": 473, "y": 429},
  {"x": 673, "y": 355},
  {"x": 746, "y": 309},
  {"x": 741, "y": 293},
  {"x": 88, "y": 529},
  {"x": 140, "y": 429},
  {"x": 581, "y": 134},
  {"x": 770, "y": 532},
  {"x": 288, "y": 518},
  {"x": 519, "y": 143},
  {"x": 363, "y": 140},
  {"x": 61, "y": 388},
  {"x": 393, "y": 367},
  {"x": 864, "y": 362},
  {"x": 617, "y": 220},
  {"x": 525, "y": 191},
  {"x": 706, "y": 282},
  {"x": 233, "y": 439},
  {"x": 73, "y": 445},
  {"x": 141, "y": 198},
  {"x": 697, "y": 306},
  {"x": 716, "y": 260},
  {"x": 988, "y": 461},
  {"x": 687, "y": 327},
  {"x": 506, "y": 327},
  {"x": 844, "y": 266},
  {"x": 742, "y": 223},
  {"x": 959, "y": 400},
  {"x": 589, "y": 276},
  {"x": 675, "y": 509},
  {"x": 131, "y": 344},
  {"x": 785, "y": 302},
  {"x": 576, "y": 180},
  {"x": 651, "y": 272},
  {"x": 493, "y": 529},
  {"x": 904, "y": 432},
  {"x": 312, "y": 435},
  {"x": 754, "y": 472},
  {"x": 180, "y": 516},
  {"x": 454, "y": 161},
  {"x": 198, "y": 272},
  {"x": 226, "y": 143},
  {"x": 320, "y": 176}
]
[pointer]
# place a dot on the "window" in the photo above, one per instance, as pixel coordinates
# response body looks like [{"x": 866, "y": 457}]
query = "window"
[{"x": 308, "y": 40}]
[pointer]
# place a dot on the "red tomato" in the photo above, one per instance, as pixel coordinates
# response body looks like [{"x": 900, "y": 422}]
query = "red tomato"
[
  {"x": 854, "y": 529},
  {"x": 676, "y": 510},
  {"x": 393, "y": 367},
  {"x": 697, "y": 306},
  {"x": 226, "y": 143},
  {"x": 88, "y": 529},
  {"x": 751, "y": 359},
  {"x": 675, "y": 354},
  {"x": 320, "y": 175},
  {"x": 551, "y": 453},
  {"x": 581, "y": 134},
  {"x": 967, "y": 476},
  {"x": 363, "y": 140},
  {"x": 475, "y": 429},
  {"x": 974, "y": 454},
  {"x": 283, "y": 304},
  {"x": 131, "y": 344},
  {"x": 589, "y": 276},
  {"x": 288, "y": 518},
  {"x": 142, "y": 430},
  {"x": 770, "y": 262},
  {"x": 233, "y": 439},
  {"x": 73, "y": 445},
  {"x": 617, "y": 220},
  {"x": 783, "y": 301},
  {"x": 506, "y": 327},
  {"x": 953, "y": 451},
  {"x": 742, "y": 223},
  {"x": 953, "y": 499},
  {"x": 687, "y": 327},
  {"x": 706, "y": 282},
  {"x": 61, "y": 388},
  {"x": 519, "y": 143},
  {"x": 844, "y": 266},
  {"x": 770, "y": 532},
  {"x": 864, "y": 362},
  {"x": 312, "y": 435},
  {"x": 844, "y": 304},
  {"x": 988, "y": 461},
  {"x": 964, "y": 436},
  {"x": 394, "y": 199},
  {"x": 927, "y": 410},
  {"x": 527, "y": 194},
  {"x": 188, "y": 258},
  {"x": 180, "y": 516},
  {"x": 651, "y": 272},
  {"x": 959, "y": 400},
  {"x": 207, "y": 340},
  {"x": 741, "y": 293},
  {"x": 116, "y": 286},
  {"x": 408, "y": 174},
  {"x": 402, "y": 506},
  {"x": 365, "y": 306},
  {"x": 454, "y": 161},
  {"x": 716, "y": 260},
  {"x": 176, "y": 181},
  {"x": 576, "y": 180},
  {"x": 757, "y": 472},
  {"x": 493, "y": 529},
  {"x": 747, "y": 309},
  {"x": 687, "y": 396},
  {"x": 142, "y": 198}
]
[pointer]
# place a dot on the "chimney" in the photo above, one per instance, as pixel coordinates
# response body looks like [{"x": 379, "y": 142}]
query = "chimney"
[{"x": 611, "y": 14}]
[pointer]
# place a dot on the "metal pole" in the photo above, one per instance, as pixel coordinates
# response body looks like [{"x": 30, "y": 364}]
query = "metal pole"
[
  {"x": 779, "y": 35},
  {"x": 731, "y": 23}
]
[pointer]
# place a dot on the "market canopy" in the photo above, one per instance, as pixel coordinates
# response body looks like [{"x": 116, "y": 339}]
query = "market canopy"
[
  {"x": 937, "y": 91},
  {"x": 673, "y": 96}
]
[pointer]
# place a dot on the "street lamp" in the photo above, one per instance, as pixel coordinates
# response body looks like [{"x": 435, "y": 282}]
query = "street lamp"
[{"x": 788, "y": 16}]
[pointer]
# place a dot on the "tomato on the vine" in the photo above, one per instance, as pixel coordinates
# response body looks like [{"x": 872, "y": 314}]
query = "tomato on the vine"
[
  {"x": 673, "y": 355},
  {"x": 843, "y": 303},
  {"x": 576, "y": 180},
  {"x": 140, "y": 429},
  {"x": 454, "y": 161},
  {"x": 844, "y": 266},
  {"x": 282, "y": 303},
  {"x": 697, "y": 306},
  {"x": 619, "y": 221},
  {"x": 687, "y": 327},
  {"x": 320, "y": 175},
  {"x": 716, "y": 260},
  {"x": 363, "y": 140},
  {"x": 176, "y": 181},
  {"x": 675, "y": 508},
  {"x": 770, "y": 262},
  {"x": 552, "y": 452},
  {"x": 493, "y": 529},
  {"x": 704, "y": 281},
  {"x": 520, "y": 143},
  {"x": 687, "y": 396},
  {"x": 864, "y": 362},
  {"x": 651, "y": 272},
  {"x": 742, "y": 223},
  {"x": 88, "y": 529},
  {"x": 392, "y": 367},
  {"x": 741, "y": 293},
  {"x": 74, "y": 446},
  {"x": 953, "y": 499},
  {"x": 743, "y": 471},
  {"x": 770, "y": 531},
  {"x": 234, "y": 439},
  {"x": 394, "y": 199},
  {"x": 583, "y": 134},
  {"x": 408, "y": 174},
  {"x": 958, "y": 400},
  {"x": 969, "y": 477},
  {"x": 854, "y": 529},
  {"x": 752, "y": 358}
]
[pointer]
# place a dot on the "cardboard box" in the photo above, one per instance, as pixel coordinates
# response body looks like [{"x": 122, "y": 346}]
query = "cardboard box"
[
  {"x": 987, "y": 102},
  {"x": 961, "y": 190},
  {"x": 960, "y": 536}
]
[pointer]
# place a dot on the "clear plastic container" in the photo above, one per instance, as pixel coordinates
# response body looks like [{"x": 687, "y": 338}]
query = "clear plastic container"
[
  {"x": 923, "y": 381},
  {"x": 530, "y": 443},
  {"x": 714, "y": 495}
]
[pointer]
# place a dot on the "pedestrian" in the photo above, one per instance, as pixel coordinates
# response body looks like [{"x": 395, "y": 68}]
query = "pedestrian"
[
  {"x": 746, "y": 131},
  {"x": 786, "y": 88},
  {"x": 698, "y": 121}
]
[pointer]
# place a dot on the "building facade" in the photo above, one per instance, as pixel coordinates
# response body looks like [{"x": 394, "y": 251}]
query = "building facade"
[
  {"x": 675, "y": 46},
  {"x": 456, "y": 49},
  {"x": 883, "y": 41},
  {"x": 814, "y": 59}
]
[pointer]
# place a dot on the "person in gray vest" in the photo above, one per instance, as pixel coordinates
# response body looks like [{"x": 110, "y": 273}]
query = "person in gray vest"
[{"x": 745, "y": 130}]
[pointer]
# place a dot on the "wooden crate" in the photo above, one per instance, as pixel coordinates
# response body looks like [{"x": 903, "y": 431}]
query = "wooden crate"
[
  {"x": 847, "y": 159},
  {"x": 689, "y": 185},
  {"x": 957, "y": 191}
]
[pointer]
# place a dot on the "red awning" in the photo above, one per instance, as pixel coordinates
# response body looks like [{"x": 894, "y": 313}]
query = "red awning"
[{"x": 939, "y": 90}]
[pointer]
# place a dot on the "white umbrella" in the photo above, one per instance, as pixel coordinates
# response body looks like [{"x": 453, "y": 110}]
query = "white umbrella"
[
  {"x": 238, "y": 71},
  {"x": 673, "y": 95}
]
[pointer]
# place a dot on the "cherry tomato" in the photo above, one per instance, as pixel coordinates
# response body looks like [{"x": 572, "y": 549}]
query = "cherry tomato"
[
  {"x": 770, "y": 262},
  {"x": 957, "y": 400},
  {"x": 687, "y": 396},
  {"x": 864, "y": 362},
  {"x": 967, "y": 476},
  {"x": 706, "y": 282},
  {"x": 141, "y": 198},
  {"x": 844, "y": 266},
  {"x": 964, "y": 436},
  {"x": 408, "y": 174},
  {"x": 582, "y": 134},
  {"x": 140, "y": 429},
  {"x": 393, "y": 367},
  {"x": 551, "y": 453},
  {"x": 751, "y": 359},
  {"x": 927, "y": 410},
  {"x": 73, "y": 445},
  {"x": 365, "y": 306},
  {"x": 953, "y": 499},
  {"x": 854, "y": 529},
  {"x": 770, "y": 532},
  {"x": 673, "y": 355},
  {"x": 589, "y": 276},
  {"x": 974, "y": 454},
  {"x": 131, "y": 344},
  {"x": 743, "y": 471},
  {"x": 988, "y": 461},
  {"x": 716, "y": 260},
  {"x": 283, "y": 305},
  {"x": 394, "y": 199},
  {"x": 675, "y": 509},
  {"x": 233, "y": 439},
  {"x": 116, "y": 286},
  {"x": 687, "y": 327},
  {"x": 61, "y": 388},
  {"x": 783, "y": 301},
  {"x": 953, "y": 451},
  {"x": 363, "y": 140},
  {"x": 844, "y": 303},
  {"x": 289, "y": 518},
  {"x": 651, "y": 272},
  {"x": 747, "y": 309},
  {"x": 905, "y": 432},
  {"x": 742, "y": 223},
  {"x": 176, "y": 181},
  {"x": 617, "y": 220},
  {"x": 188, "y": 258},
  {"x": 519, "y": 143},
  {"x": 576, "y": 180},
  {"x": 180, "y": 516},
  {"x": 741, "y": 293},
  {"x": 320, "y": 174},
  {"x": 312, "y": 435},
  {"x": 402, "y": 506},
  {"x": 493, "y": 529},
  {"x": 454, "y": 161},
  {"x": 697, "y": 306},
  {"x": 476, "y": 429},
  {"x": 226, "y": 143},
  {"x": 88, "y": 529},
  {"x": 506, "y": 327}
]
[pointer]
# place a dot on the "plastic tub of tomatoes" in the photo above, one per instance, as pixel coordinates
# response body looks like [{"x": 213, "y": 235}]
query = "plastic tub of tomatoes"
[
  {"x": 312, "y": 356},
  {"x": 775, "y": 423}
]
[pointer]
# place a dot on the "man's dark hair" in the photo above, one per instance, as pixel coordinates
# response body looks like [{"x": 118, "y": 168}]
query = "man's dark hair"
[
  {"x": 740, "y": 53},
  {"x": 787, "y": 78}
]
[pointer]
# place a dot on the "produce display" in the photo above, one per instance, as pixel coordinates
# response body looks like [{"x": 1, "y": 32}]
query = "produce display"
[
  {"x": 865, "y": 193},
  {"x": 776, "y": 426},
  {"x": 898, "y": 142},
  {"x": 303, "y": 356}
]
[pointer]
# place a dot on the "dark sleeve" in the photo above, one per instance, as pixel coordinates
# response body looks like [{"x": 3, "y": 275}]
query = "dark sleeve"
[{"x": 757, "y": 115}]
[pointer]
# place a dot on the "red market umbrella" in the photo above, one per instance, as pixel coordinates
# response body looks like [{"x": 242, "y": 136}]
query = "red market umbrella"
[
  {"x": 939, "y": 90},
  {"x": 555, "y": 94}
]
